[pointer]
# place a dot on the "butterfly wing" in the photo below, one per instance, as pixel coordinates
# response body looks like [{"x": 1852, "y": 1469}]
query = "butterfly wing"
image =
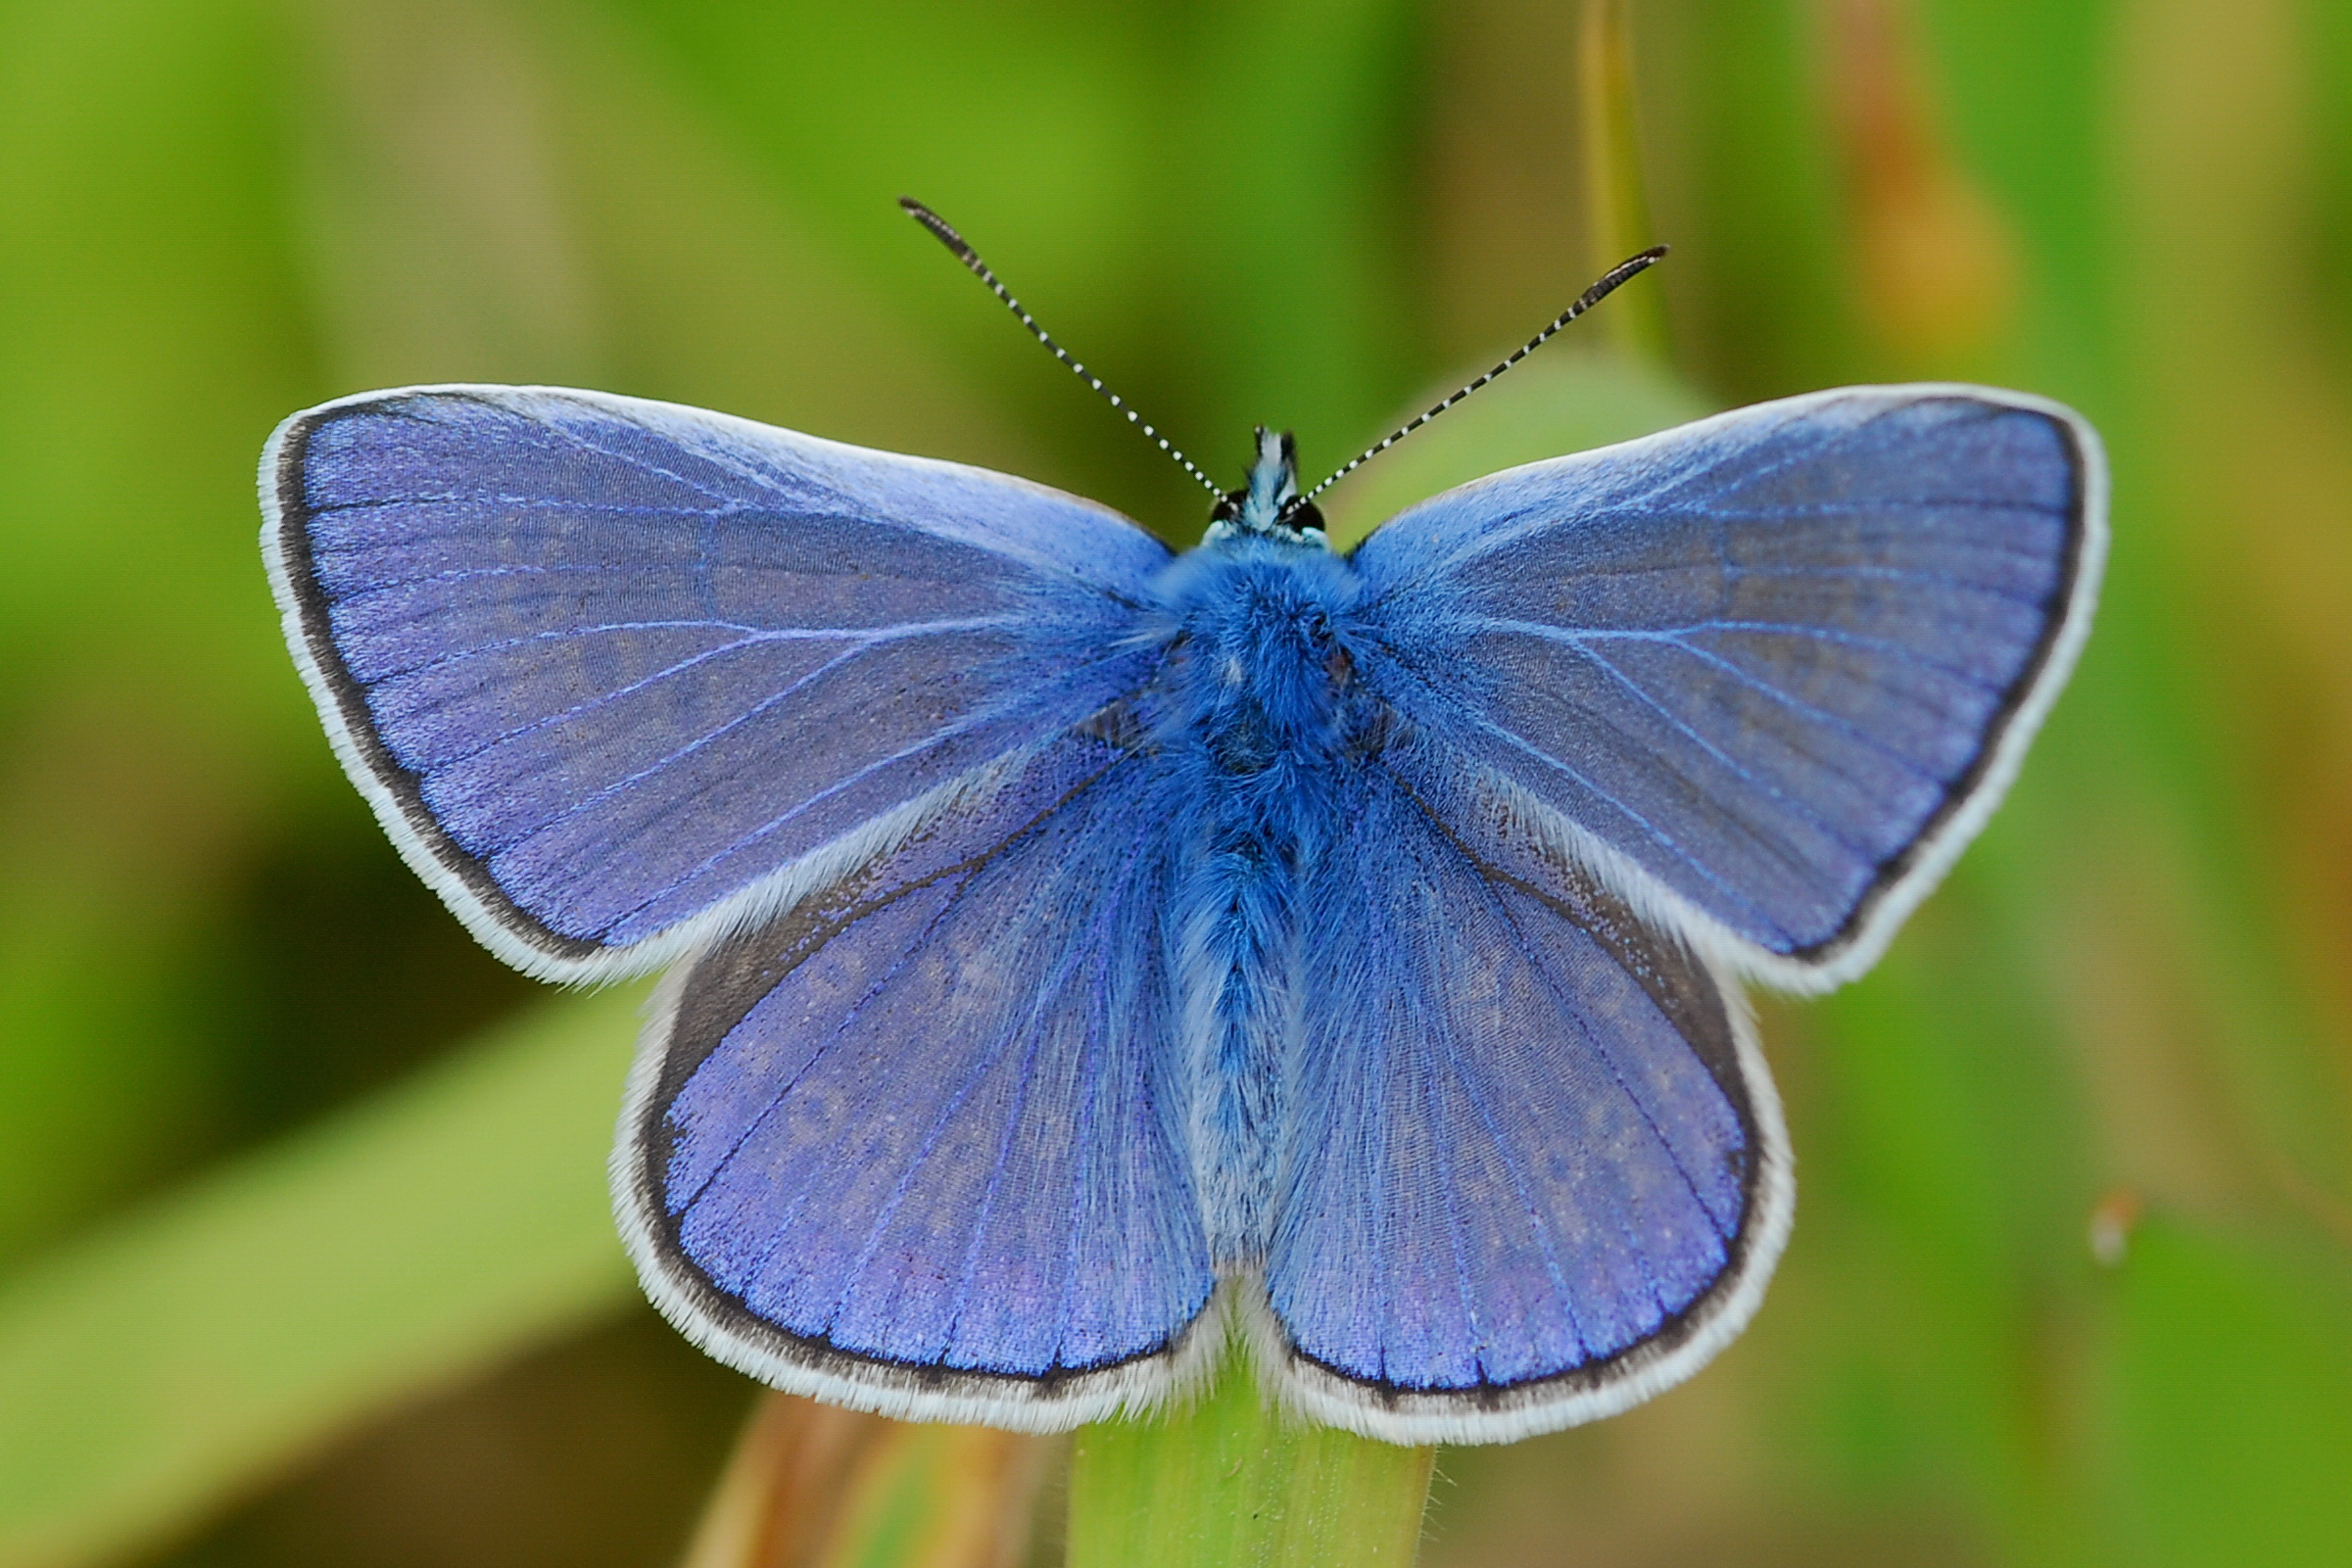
[
  {"x": 913, "y": 1146},
  {"x": 1767, "y": 673},
  {"x": 1536, "y": 1171},
  {"x": 619, "y": 675}
]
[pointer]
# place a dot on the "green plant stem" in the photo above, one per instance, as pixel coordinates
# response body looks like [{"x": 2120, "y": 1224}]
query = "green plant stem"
[
  {"x": 1232, "y": 1483},
  {"x": 1617, "y": 209}
]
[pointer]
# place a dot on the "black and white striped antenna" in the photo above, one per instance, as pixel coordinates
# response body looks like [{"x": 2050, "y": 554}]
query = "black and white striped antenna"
[
  {"x": 946, "y": 235},
  {"x": 1591, "y": 296}
]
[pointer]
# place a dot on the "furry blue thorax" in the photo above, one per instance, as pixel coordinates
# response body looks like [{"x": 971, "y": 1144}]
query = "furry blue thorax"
[
  {"x": 1259, "y": 632},
  {"x": 1259, "y": 713}
]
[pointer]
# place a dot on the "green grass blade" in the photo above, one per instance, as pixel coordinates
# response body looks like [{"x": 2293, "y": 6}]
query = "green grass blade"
[
  {"x": 1616, "y": 205},
  {"x": 168, "y": 1363},
  {"x": 1234, "y": 1484}
]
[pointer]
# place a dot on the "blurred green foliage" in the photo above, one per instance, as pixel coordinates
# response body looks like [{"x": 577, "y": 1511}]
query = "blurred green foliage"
[
  {"x": 228, "y": 1328},
  {"x": 221, "y": 998}
]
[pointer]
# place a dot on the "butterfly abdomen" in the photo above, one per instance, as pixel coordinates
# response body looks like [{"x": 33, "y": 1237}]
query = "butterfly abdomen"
[{"x": 1261, "y": 716}]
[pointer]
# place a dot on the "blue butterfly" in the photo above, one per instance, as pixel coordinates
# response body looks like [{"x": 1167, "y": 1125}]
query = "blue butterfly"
[{"x": 1086, "y": 956}]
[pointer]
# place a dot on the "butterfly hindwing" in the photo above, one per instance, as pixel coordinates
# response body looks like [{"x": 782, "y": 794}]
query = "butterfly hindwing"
[
  {"x": 1537, "y": 1171},
  {"x": 915, "y": 1146},
  {"x": 1768, "y": 671},
  {"x": 612, "y": 672}
]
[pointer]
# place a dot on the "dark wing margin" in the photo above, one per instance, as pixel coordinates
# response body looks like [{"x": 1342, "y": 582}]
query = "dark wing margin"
[
  {"x": 1766, "y": 673},
  {"x": 1539, "y": 1174},
  {"x": 836, "y": 1170},
  {"x": 393, "y": 789},
  {"x": 617, "y": 676}
]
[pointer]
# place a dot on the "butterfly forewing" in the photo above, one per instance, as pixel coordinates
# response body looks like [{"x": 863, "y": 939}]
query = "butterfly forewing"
[
  {"x": 606, "y": 665},
  {"x": 915, "y": 1145},
  {"x": 1537, "y": 1170},
  {"x": 1768, "y": 670}
]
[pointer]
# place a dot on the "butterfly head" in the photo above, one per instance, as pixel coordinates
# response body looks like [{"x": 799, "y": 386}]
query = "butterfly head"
[{"x": 1269, "y": 505}]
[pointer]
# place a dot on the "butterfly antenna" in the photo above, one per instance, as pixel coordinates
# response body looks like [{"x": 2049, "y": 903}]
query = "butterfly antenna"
[
  {"x": 1591, "y": 296},
  {"x": 945, "y": 234}
]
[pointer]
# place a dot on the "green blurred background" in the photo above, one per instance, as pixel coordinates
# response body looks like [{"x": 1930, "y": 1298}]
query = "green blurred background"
[{"x": 303, "y": 1256}]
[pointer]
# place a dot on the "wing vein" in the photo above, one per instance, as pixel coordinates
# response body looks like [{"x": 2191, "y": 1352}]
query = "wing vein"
[{"x": 977, "y": 719}]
